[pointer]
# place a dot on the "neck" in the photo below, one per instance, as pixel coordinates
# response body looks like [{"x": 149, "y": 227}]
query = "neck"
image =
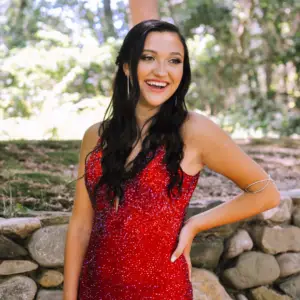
[{"x": 143, "y": 113}]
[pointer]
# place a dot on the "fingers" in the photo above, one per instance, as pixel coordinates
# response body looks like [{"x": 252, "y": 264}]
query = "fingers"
[
  {"x": 179, "y": 250},
  {"x": 188, "y": 261}
]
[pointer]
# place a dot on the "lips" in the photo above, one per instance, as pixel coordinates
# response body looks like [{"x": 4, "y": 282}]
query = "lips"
[
  {"x": 156, "y": 86},
  {"x": 157, "y": 82}
]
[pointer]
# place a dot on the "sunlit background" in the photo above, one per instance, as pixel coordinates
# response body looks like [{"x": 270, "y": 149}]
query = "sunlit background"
[{"x": 57, "y": 64}]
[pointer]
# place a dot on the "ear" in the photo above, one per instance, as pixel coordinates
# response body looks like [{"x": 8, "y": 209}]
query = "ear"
[{"x": 126, "y": 69}]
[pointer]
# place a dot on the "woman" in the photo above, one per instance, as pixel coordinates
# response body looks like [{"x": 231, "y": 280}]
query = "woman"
[{"x": 141, "y": 166}]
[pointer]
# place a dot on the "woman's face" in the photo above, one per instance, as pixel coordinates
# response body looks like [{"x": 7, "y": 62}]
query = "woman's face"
[{"x": 160, "y": 68}]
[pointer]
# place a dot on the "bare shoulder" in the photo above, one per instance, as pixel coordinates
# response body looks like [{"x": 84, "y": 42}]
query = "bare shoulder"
[
  {"x": 200, "y": 132},
  {"x": 91, "y": 136},
  {"x": 83, "y": 212},
  {"x": 220, "y": 153},
  {"x": 198, "y": 124}
]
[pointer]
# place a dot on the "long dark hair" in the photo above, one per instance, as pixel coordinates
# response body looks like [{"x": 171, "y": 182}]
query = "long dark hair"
[{"x": 120, "y": 130}]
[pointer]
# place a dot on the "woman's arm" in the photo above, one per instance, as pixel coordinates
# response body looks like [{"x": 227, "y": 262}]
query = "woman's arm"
[
  {"x": 220, "y": 154},
  {"x": 80, "y": 224},
  {"x": 143, "y": 10}
]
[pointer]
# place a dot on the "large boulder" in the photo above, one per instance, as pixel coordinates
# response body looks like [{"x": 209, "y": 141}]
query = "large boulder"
[
  {"x": 252, "y": 269},
  {"x": 264, "y": 293},
  {"x": 47, "y": 245},
  {"x": 48, "y": 218},
  {"x": 10, "y": 249},
  {"x": 279, "y": 214},
  {"x": 277, "y": 239},
  {"x": 18, "y": 288},
  {"x": 206, "y": 286},
  {"x": 289, "y": 263},
  {"x": 206, "y": 252},
  {"x": 19, "y": 227},
  {"x": 238, "y": 243},
  {"x": 9, "y": 267},
  {"x": 291, "y": 287}
]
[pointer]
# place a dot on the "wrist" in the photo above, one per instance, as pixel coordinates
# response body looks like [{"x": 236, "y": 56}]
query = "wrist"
[{"x": 192, "y": 224}]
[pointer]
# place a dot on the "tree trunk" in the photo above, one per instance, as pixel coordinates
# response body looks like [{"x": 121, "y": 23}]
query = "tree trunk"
[{"x": 107, "y": 22}]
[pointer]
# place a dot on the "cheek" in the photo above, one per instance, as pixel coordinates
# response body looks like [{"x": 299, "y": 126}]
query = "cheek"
[
  {"x": 142, "y": 71},
  {"x": 178, "y": 77}
]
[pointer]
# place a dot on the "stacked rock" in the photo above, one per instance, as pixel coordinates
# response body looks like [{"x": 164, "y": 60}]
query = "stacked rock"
[{"x": 258, "y": 258}]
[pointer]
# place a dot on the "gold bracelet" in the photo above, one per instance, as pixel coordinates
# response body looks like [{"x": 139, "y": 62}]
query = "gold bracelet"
[{"x": 246, "y": 189}]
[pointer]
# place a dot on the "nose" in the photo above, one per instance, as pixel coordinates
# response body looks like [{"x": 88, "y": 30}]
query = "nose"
[{"x": 160, "y": 69}]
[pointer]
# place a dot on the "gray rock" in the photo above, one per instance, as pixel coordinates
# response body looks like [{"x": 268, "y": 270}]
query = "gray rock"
[
  {"x": 296, "y": 216},
  {"x": 276, "y": 239},
  {"x": 49, "y": 218},
  {"x": 49, "y": 295},
  {"x": 9, "y": 267},
  {"x": 252, "y": 269},
  {"x": 224, "y": 231},
  {"x": 289, "y": 263},
  {"x": 294, "y": 194},
  {"x": 21, "y": 227},
  {"x": 18, "y": 288},
  {"x": 279, "y": 214},
  {"x": 47, "y": 245},
  {"x": 237, "y": 244},
  {"x": 50, "y": 278},
  {"x": 197, "y": 207},
  {"x": 10, "y": 249},
  {"x": 292, "y": 287},
  {"x": 206, "y": 286},
  {"x": 205, "y": 253},
  {"x": 264, "y": 293}
]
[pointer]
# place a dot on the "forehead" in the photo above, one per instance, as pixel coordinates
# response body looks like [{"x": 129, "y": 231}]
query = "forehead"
[{"x": 164, "y": 42}]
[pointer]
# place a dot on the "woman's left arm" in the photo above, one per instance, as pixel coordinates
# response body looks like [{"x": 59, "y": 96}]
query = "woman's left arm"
[{"x": 222, "y": 155}]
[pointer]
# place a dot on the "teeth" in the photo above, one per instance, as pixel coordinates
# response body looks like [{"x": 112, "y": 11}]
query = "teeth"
[{"x": 162, "y": 84}]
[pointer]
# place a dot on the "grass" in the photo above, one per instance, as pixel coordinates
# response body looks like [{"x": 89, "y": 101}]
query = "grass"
[{"x": 36, "y": 169}]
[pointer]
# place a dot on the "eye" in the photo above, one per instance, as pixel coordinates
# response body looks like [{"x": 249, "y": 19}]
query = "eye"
[
  {"x": 146, "y": 57},
  {"x": 175, "y": 61}
]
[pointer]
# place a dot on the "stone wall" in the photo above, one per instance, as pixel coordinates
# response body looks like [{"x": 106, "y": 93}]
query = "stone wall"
[{"x": 257, "y": 259}]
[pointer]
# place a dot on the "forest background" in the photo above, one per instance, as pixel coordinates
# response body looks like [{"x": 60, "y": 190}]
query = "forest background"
[{"x": 58, "y": 60}]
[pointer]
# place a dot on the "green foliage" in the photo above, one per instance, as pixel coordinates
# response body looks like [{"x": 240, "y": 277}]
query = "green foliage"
[
  {"x": 244, "y": 58},
  {"x": 38, "y": 77}
]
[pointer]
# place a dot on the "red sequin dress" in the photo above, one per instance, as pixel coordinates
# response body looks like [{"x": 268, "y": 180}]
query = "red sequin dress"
[{"x": 129, "y": 251}]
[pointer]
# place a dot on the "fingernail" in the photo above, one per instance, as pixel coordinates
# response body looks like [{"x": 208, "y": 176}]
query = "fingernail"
[{"x": 173, "y": 258}]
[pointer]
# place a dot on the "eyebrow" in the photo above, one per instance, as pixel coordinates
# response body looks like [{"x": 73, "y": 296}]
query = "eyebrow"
[{"x": 173, "y": 53}]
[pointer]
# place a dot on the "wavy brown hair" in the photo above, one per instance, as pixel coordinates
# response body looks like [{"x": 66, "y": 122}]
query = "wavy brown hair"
[{"x": 120, "y": 130}]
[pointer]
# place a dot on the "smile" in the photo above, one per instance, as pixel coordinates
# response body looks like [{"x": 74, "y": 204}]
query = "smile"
[{"x": 157, "y": 86}]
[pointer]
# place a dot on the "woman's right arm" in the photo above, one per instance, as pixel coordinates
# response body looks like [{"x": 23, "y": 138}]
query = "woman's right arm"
[{"x": 80, "y": 224}]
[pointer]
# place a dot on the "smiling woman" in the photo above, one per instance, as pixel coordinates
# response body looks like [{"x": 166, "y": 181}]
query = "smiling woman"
[
  {"x": 141, "y": 166},
  {"x": 159, "y": 71}
]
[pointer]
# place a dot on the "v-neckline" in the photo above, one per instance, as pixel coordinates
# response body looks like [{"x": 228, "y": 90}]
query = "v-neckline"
[
  {"x": 160, "y": 147},
  {"x": 139, "y": 153}
]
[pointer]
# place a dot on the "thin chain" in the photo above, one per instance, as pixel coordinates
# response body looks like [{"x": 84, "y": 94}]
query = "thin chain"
[{"x": 269, "y": 179}]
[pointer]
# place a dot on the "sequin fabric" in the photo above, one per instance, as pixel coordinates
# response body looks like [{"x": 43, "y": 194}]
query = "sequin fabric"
[{"x": 129, "y": 251}]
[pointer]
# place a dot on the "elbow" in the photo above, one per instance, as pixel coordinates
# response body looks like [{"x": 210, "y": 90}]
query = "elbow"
[{"x": 273, "y": 198}]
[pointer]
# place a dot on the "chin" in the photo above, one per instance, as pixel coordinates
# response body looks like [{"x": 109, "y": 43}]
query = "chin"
[{"x": 154, "y": 102}]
